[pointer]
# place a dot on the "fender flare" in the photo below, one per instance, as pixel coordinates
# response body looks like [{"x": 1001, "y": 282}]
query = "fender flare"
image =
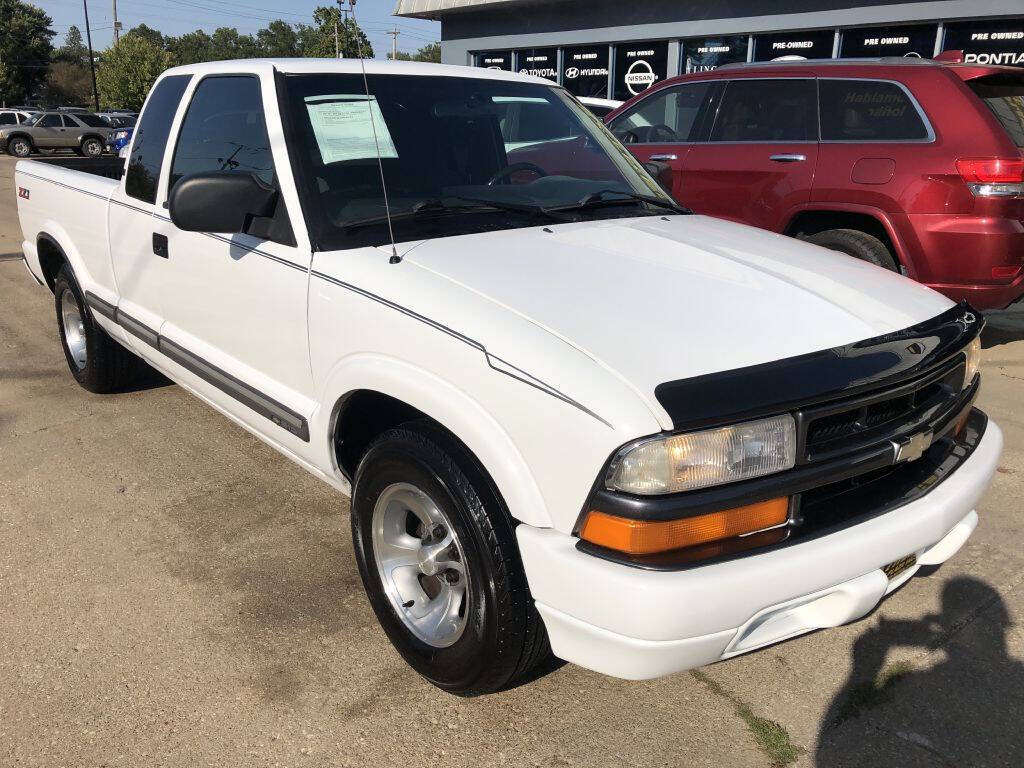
[
  {"x": 446, "y": 404},
  {"x": 902, "y": 255},
  {"x": 18, "y": 135},
  {"x": 54, "y": 234}
]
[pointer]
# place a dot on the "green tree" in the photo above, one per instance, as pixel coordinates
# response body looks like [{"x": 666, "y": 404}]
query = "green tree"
[
  {"x": 430, "y": 52},
  {"x": 74, "y": 49},
  {"x": 318, "y": 40},
  {"x": 25, "y": 50},
  {"x": 155, "y": 37},
  {"x": 227, "y": 43},
  {"x": 69, "y": 82},
  {"x": 278, "y": 38},
  {"x": 190, "y": 48},
  {"x": 129, "y": 69}
]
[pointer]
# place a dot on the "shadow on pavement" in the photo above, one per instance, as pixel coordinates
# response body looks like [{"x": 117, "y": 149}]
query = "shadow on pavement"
[
  {"x": 1004, "y": 327},
  {"x": 965, "y": 711}
]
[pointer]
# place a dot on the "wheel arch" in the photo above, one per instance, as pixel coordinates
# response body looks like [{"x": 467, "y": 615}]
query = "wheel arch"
[
  {"x": 405, "y": 392},
  {"x": 52, "y": 256},
  {"x": 96, "y": 136},
  {"x": 812, "y": 220},
  {"x": 21, "y": 135}
]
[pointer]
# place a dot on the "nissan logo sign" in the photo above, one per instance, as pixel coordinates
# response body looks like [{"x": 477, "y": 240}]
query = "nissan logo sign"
[{"x": 639, "y": 77}]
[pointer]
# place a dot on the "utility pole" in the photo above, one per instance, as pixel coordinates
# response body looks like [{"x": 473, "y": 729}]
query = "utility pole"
[
  {"x": 394, "y": 43},
  {"x": 337, "y": 50},
  {"x": 92, "y": 61},
  {"x": 117, "y": 25}
]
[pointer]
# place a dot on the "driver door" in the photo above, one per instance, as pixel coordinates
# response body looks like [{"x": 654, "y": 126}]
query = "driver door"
[{"x": 662, "y": 126}]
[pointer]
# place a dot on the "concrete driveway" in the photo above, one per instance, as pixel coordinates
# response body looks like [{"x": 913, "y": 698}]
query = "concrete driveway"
[{"x": 174, "y": 593}]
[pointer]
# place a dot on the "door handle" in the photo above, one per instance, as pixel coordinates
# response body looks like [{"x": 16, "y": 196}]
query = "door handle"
[
  {"x": 785, "y": 158},
  {"x": 160, "y": 246},
  {"x": 669, "y": 156}
]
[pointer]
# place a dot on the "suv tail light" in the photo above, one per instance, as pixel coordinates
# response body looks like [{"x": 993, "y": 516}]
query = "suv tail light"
[{"x": 993, "y": 176}]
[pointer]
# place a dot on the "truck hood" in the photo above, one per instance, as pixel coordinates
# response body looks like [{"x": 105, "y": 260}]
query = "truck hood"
[{"x": 657, "y": 299}]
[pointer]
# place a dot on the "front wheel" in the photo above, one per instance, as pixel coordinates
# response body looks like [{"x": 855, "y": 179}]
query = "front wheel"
[
  {"x": 92, "y": 148},
  {"x": 437, "y": 554},
  {"x": 858, "y": 244},
  {"x": 19, "y": 147}
]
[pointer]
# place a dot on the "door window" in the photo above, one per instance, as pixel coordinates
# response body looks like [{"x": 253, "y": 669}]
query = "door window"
[
  {"x": 154, "y": 127},
  {"x": 50, "y": 121},
  {"x": 224, "y": 130},
  {"x": 670, "y": 115},
  {"x": 868, "y": 110},
  {"x": 767, "y": 111}
]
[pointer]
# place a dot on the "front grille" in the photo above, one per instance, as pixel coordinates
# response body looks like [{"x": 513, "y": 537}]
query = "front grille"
[{"x": 853, "y": 423}]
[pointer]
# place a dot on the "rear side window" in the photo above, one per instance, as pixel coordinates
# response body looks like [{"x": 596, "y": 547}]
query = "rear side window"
[
  {"x": 147, "y": 156},
  {"x": 868, "y": 110},
  {"x": 767, "y": 111},
  {"x": 1005, "y": 97},
  {"x": 670, "y": 115},
  {"x": 8, "y": 118},
  {"x": 224, "y": 130}
]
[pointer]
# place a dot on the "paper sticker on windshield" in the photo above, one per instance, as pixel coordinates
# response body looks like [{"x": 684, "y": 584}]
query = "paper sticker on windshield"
[{"x": 342, "y": 127}]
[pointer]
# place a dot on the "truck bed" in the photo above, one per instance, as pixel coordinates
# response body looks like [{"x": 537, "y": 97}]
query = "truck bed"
[{"x": 108, "y": 166}]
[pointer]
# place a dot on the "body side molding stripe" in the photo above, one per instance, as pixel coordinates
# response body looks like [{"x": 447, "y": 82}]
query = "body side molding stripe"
[
  {"x": 284, "y": 417},
  {"x": 493, "y": 361}
]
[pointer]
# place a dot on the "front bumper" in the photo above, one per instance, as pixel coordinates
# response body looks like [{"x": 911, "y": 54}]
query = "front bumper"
[{"x": 638, "y": 624}]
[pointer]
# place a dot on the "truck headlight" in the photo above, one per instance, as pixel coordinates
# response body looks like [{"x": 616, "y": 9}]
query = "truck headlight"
[
  {"x": 973, "y": 353},
  {"x": 700, "y": 459}
]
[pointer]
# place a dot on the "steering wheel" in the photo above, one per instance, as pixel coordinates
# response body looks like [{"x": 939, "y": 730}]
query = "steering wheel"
[
  {"x": 508, "y": 170},
  {"x": 661, "y": 132}
]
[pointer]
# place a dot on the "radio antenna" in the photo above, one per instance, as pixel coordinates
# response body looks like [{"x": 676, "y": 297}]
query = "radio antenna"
[{"x": 395, "y": 258}]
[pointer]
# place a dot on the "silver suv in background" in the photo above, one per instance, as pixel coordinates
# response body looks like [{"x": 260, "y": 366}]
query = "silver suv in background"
[{"x": 83, "y": 132}]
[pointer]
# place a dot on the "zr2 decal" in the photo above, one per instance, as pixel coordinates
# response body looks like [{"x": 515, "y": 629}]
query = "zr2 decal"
[{"x": 23, "y": 193}]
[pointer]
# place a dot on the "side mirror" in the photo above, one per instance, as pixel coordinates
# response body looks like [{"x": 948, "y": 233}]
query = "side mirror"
[
  {"x": 662, "y": 173},
  {"x": 220, "y": 201}
]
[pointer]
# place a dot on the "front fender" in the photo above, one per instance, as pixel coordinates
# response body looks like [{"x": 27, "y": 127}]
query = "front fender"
[{"x": 456, "y": 410}]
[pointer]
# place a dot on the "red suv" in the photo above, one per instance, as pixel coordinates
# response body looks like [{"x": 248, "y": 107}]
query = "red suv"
[{"x": 913, "y": 165}]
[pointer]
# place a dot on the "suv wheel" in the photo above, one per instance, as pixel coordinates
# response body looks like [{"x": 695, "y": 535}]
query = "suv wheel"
[
  {"x": 858, "y": 244},
  {"x": 92, "y": 147},
  {"x": 437, "y": 554},
  {"x": 96, "y": 361},
  {"x": 20, "y": 147}
]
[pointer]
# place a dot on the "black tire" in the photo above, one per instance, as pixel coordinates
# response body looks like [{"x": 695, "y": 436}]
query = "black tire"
[
  {"x": 504, "y": 637},
  {"x": 858, "y": 244},
  {"x": 92, "y": 147},
  {"x": 108, "y": 366},
  {"x": 19, "y": 146}
]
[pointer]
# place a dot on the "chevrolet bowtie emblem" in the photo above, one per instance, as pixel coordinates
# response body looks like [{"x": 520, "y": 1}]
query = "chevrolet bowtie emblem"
[{"x": 911, "y": 448}]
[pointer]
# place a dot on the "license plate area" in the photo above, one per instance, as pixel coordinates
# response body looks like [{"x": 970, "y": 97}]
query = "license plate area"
[{"x": 896, "y": 567}]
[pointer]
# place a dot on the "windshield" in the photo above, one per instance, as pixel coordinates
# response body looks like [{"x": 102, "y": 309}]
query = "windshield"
[{"x": 459, "y": 155}]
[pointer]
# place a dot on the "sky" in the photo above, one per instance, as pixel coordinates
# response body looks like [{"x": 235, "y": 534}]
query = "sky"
[{"x": 174, "y": 17}]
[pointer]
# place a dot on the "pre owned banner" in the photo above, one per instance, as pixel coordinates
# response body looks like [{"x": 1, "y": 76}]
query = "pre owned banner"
[
  {"x": 911, "y": 41},
  {"x": 702, "y": 54},
  {"x": 638, "y": 66},
  {"x": 495, "y": 60},
  {"x": 987, "y": 42},
  {"x": 813, "y": 44},
  {"x": 585, "y": 70},
  {"x": 540, "y": 62}
]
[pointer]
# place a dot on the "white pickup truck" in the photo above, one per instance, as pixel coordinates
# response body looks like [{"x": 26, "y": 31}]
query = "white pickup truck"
[{"x": 566, "y": 410}]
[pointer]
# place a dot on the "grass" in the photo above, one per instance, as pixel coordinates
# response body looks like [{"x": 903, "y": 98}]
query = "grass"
[{"x": 771, "y": 737}]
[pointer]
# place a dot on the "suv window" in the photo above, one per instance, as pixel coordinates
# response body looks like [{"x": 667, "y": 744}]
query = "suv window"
[
  {"x": 767, "y": 111},
  {"x": 669, "y": 115},
  {"x": 93, "y": 121},
  {"x": 8, "y": 118},
  {"x": 1004, "y": 95},
  {"x": 69, "y": 122},
  {"x": 224, "y": 130},
  {"x": 50, "y": 121},
  {"x": 868, "y": 110},
  {"x": 147, "y": 156}
]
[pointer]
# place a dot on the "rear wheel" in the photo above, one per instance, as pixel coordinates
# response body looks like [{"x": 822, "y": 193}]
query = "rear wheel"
[
  {"x": 19, "y": 147},
  {"x": 858, "y": 244},
  {"x": 437, "y": 554},
  {"x": 96, "y": 361},
  {"x": 92, "y": 147}
]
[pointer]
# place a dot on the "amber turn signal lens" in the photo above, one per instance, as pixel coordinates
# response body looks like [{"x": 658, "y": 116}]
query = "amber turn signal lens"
[{"x": 643, "y": 537}]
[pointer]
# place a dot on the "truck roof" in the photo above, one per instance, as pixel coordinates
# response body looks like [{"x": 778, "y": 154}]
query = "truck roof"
[{"x": 350, "y": 66}]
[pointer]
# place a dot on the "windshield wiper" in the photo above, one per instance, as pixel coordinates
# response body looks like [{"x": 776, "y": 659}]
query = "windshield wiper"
[
  {"x": 437, "y": 207},
  {"x": 597, "y": 197}
]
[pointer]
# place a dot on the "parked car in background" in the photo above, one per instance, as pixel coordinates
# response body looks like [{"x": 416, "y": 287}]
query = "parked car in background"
[
  {"x": 120, "y": 139},
  {"x": 13, "y": 117},
  {"x": 600, "y": 107},
  {"x": 118, "y": 119},
  {"x": 83, "y": 132},
  {"x": 565, "y": 409},
  {"x": 909, "y": 164}
]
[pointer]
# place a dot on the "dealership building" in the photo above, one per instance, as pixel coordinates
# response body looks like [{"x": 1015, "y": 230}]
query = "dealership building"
[{"x": 615, "y": 49}]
